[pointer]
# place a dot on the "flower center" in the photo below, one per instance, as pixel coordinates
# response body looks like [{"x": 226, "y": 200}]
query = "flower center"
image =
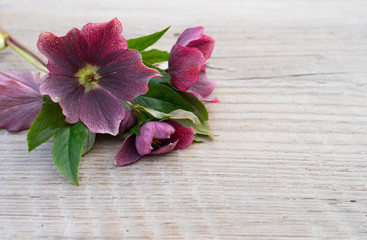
[
  {"x": 88, "y": 77},
  {"x": 156, "y": 143}
]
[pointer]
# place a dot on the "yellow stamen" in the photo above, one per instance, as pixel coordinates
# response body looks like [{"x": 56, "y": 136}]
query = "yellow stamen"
[
  {"x": 88, "y": 77},
  {"x": 156, "y": 143}
]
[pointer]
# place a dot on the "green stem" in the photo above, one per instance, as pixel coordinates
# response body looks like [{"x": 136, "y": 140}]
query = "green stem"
[
  {"x": 130, "y": 104},
  {"x": 23, "y": 51},
  {"x": 26, "y": 54}
]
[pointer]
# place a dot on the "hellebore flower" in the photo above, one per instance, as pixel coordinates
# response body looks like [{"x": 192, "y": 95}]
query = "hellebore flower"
[
  {"x": 187, "y": 63},
  {"x": 91, "y": 72},
  {"x": 20, "y": 99},
  {"x": 155, "y": 138}
]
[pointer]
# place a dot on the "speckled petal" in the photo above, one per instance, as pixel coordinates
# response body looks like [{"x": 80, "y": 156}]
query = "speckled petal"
[
  {"x": 203, "y": 88},
  {"x": 205, "y": 44},
  {"x": 70, "y": 104},
  {"x": 184, "y": 66},
  {"x": 189, "y": 35},
  {"x": 20, "y": 99},
  {"x": 185, "y": 135},
  {"x": 101, "y": 39},
  {"x": 58, "y": 86},
  {"x": 101, "y": 112},
  {"x": 127, "y": 153},
  {"x": 124, "y": 75},
  {"x": 63, "y": 53}
]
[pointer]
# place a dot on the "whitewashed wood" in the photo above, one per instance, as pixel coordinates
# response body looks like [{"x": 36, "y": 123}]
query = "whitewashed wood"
[{"x": 290, "y": 161}]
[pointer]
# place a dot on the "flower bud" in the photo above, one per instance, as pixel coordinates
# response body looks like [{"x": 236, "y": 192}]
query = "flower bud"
[{"x": 3, "y": 36}]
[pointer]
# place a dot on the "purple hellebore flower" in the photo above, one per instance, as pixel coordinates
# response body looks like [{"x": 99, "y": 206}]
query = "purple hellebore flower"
[
  {"x": 91, "y": 72},
  {"x": 20, "y": 99},
  {"x": 155, "y": 138},
  {"x": 187, "y": 63}
]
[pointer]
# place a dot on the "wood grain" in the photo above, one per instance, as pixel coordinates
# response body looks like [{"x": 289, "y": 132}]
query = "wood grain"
[{"x": 290, "y": 161}]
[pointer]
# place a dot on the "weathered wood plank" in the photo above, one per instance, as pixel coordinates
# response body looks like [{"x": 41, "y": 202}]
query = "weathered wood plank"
[{"x": 290, "y": 158}]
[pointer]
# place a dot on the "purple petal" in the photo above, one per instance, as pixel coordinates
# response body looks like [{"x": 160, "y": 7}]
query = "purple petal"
[
  {"x": 101, "y": 112},
  {"x": 128, "y": 122},
  {"x": 150, "y": 130},
  {"x": 127, "y": 153},
  {"x": 26, "y": 78},
  {"x": 20, "y": 99},
  {"x": 184, "y": 66},
  {"x": 205, "y": 44},
  {"x": 165, "y": 149},
  {"x": 63, "y": 53},
  {"x": 68, "y": 92},
  {"x": 101, "y": 39},
  {"x": 211, "y": 99},
  {"x": 58, "y": 86},
  {"x": 143, "y": 142},
  {"x": 189, "y": 35},
  {"x": 69, "y": 53},
  {"x": 185, "y": 135},
  {"x": 203, "y": 88},
  {"x": 125, "y": 76},
  {"x": 162, "y": 130},
  {"x": 70, "y": 104}
]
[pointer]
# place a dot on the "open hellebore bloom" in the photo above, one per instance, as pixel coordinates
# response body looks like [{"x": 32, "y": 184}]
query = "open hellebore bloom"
[
  {"x": 187, "y": 63},
  {"x": 155, "y": 138},
  {"x": 91, "y": 72},
  {"x": 20, "y": 99}
]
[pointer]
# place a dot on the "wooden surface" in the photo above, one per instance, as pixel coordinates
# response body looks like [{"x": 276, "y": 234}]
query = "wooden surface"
[{"x": 290, "y": 161}]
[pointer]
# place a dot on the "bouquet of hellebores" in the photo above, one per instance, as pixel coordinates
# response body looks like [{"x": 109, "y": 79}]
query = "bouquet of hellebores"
[{"x": 97, "y": 82}]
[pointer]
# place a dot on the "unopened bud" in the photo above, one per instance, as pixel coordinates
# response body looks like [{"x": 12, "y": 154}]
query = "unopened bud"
[{"x": 3, "y": 36}]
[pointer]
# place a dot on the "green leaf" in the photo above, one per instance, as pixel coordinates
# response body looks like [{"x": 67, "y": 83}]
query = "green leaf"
[
  {"x": 127, "y": 106},
  {"x": 158, "y": 104},
  {"x": 155, "y": 56},
  {"x": 154, "y": 113},
  {"x": 203, "y": 128},
  {"x": 166, "y": 102},
  {"x": 197, "y": 139},
  {"x": 176, "y": 114},
  {"x": 46, "y": 123},
  {"x": 162, "y": 98},
  {"x": 142, "y": 43},
  {"x": 182, "y": 114},
  {"x": 89, "y": 143},
  {"x": 67, "y": 149},
  {"x": 135, "y": 130},
  {"x": 197, "y": 104}
]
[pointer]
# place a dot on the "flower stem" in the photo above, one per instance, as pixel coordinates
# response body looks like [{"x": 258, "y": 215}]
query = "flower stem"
[
  {"x": 24, "y": 52},
  {"x": 131, "y": 105}
]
